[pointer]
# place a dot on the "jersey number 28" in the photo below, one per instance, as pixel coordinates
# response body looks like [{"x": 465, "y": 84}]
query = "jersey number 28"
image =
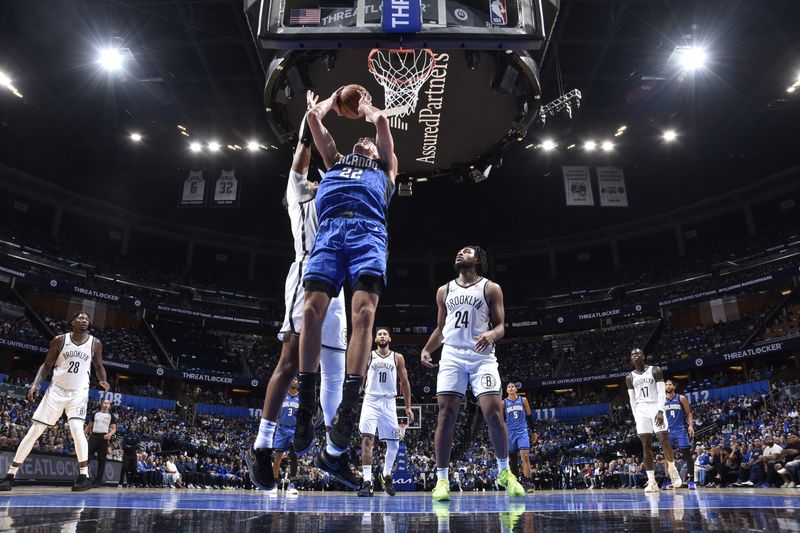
[{"x": 74, "y": 366}]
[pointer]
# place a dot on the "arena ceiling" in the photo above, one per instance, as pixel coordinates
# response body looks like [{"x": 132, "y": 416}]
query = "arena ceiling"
[{"x": 194, "y": 63}]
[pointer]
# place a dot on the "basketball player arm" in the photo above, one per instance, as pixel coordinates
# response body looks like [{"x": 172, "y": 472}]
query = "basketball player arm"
[
  {"x": 384, "y": 140},
  {"x": 406, "y": 385},
  {"x": 97, "y": 360},
  {"x": 528, "y": 413},
  {"x": 56, "y": 346},
  {"x": 302, "y": 152},
  {"x": 631, "y": 395},
  {"x": 436, "y": 339},
  {"x": 661, "y": 395},
  {"x": 497, "y": 313},
  {"x": 323, "y": 139},
  {"x": 688, "y": 411}
]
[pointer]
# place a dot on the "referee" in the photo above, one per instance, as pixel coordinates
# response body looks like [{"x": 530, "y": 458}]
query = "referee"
[{"x": 100, "y": 431}]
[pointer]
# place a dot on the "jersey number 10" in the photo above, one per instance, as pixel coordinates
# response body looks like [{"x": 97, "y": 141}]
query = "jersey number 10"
[{"x": 382, "y": 377}]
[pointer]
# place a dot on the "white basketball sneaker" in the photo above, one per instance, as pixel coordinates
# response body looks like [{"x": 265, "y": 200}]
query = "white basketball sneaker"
[{"x": 651, "y": 487}]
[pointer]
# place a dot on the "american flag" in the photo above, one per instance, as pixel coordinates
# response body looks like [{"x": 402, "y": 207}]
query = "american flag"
[{"x": 304, "y": 16}]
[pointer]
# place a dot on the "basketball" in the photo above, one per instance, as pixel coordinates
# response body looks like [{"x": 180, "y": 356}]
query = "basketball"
[{"x": 349, "y": 99}]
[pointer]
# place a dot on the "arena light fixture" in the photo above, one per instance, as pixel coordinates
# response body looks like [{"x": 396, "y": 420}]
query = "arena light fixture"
[
  {"x": 590, "y": 146},
  {"x": 6, "y": 82},
  {"x": 110, "y": 59},
  {"x": 549, "y": 145},
  {"x": 195, "y": 147},
  {"x": 213, "y": 146},
  {"x": 669, "y": 136},
  {"x": 607, "y": 146},
  {"x": 253, "y": 146},
  {"x": 692, "y": 58},
  {"x": 136, "y": 137}
]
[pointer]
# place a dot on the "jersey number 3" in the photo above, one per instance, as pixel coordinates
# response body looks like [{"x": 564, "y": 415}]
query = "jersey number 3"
[{"x": 462, "y": 319}]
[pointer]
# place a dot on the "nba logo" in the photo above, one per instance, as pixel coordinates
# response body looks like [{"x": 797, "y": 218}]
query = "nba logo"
[{"x": 497, "y": 12}]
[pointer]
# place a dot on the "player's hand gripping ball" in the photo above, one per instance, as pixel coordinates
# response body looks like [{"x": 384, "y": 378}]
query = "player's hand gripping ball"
[{"x": 349, "y": 99}]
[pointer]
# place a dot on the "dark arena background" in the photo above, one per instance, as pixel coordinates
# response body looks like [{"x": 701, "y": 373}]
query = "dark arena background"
[{"x": 630, "y": 167}]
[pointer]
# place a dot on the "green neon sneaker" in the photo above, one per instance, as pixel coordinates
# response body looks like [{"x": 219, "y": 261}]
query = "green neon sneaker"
[
  {"x": 509, "y": 481},
  {"x": 441, "y": 492}
]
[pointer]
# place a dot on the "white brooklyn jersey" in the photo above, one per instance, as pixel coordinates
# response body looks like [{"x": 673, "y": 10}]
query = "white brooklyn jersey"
[
  {"x": 381, "y": 375},
  {"x": 73, "y": 364},
  {"x": 644, "y": 386},
  {"x": 467, "y": 314},
  {"x": 302, "y": 214}
]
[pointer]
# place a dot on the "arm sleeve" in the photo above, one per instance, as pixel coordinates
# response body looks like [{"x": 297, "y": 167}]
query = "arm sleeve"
[
  {"x": 530, "y": 420},
  {"x": 632, "y": 401},
  {"x": 662, "y": 395}
]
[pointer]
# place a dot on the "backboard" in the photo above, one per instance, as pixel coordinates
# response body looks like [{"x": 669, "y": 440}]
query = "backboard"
[{"x": 482, "y": 95}]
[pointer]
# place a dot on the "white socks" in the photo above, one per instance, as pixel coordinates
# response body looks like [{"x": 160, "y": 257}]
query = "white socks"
[
  {"x": 266, "y": 434},
  {"x": 366, "y": 472},
  {"x": 443, "y": 474},
  {"x": 651, "y": 476},
  {"x": 502, "y": 464},
  {"x": 13, "y": 470}
]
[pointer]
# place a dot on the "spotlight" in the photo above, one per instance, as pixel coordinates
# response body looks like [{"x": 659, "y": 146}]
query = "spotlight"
[
  {"x": 6, "y": 82},
  {"x": 405, "y": 188},
  {"x": 110, "y": 59},
  {"x": 477, "y": 176},
  {"x": 213, "y": 146},
  {"x": 607, "y": 146},
  {"x": 252, "y": 146},
  {"x": 669, "y": 136},
  {"x": 135, "y": 137},
  {"x": 196, "y": 147},
  {"x": 692, "y": 58},
  {"x": 791, "y": 89},
  {"x": 549, "y": 145},
  {"x": 589, "y": 146}
]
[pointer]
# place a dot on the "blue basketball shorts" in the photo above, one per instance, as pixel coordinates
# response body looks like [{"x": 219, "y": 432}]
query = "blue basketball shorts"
[
  {"x": 518, "y": 440},
  {"x": 679, "y": 439},
  {"x": 346, "y": 248},
  {"x": 283, "y": 440}
]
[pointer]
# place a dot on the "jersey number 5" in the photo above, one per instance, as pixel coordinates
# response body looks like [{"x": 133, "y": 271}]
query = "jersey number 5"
[{"x": 462, "y": 319}]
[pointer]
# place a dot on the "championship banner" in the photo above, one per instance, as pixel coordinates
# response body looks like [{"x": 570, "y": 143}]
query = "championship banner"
[
  {"x": 611, "y": 183},
  {"x": 227, "y": 190},
  {"x": 193, "y": 192},
  {"x": 577, "y": 185}
]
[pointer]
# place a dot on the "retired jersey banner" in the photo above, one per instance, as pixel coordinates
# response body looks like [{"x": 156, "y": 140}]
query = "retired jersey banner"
[
  {"x": 227, "y": 190},
  {"x": 193, "y": 191},
  {"x": 577, "y": 185},
  {"x": 611, "y": 183}
]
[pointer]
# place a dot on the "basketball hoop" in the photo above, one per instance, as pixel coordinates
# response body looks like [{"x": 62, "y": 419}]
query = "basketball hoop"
[{"x": 402, "y": 73}]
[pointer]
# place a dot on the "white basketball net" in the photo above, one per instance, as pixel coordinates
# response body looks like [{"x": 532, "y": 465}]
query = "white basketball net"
[{"x": 402, "y": 73}]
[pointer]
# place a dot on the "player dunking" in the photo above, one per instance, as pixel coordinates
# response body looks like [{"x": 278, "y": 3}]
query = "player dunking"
[
  {"x": 300, "y": 195},
  {"x": 470, "y": 319},
  {"x": 379, "y": 410},
  {"x": 70, "y": 357},
  {"x": 518, "y": 418},
  {"x": 681, "y": 427},
  {"x": 647, "y": 396},
  {"x": 352, "y": 201}
]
